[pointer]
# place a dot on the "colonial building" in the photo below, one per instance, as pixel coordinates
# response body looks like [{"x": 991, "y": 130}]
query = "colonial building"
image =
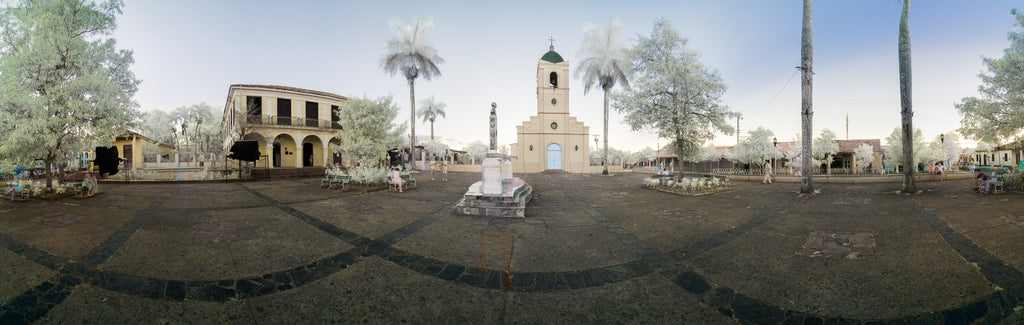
[
  {"x": 294, "y": 126},
  {"x": 552, "y": 140},
  {"x": 137, "y": 149}
]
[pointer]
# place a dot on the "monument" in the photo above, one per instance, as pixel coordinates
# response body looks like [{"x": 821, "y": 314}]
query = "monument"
[{"x": 498, "y": 193}]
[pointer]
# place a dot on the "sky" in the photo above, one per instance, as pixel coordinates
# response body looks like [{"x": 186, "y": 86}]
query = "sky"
[{"x": 188, "y": 51}]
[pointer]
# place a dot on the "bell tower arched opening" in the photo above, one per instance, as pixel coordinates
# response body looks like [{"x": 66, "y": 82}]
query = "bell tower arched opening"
[{"x": 554, "y": 79}]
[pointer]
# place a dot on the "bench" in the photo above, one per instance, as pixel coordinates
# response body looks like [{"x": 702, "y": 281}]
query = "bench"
[
  {"x": 83, "y": 189},
  {"x": 342, "y": 180},
  {"x": 19, "y": 194},
  {"x": 411, "y": 181}
]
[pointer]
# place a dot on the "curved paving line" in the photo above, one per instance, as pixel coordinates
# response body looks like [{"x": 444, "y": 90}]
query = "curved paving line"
[{"x": 35, "y": 303}]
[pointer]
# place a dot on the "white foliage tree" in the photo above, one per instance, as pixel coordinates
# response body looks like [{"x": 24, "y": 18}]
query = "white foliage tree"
[
  {"x": 863, "y": 155},
  {"x": 647, "y": 155},
  {"x": 673, "y": 93},
  {"x": 369, "y": 129},
  {"x": 825, "y": 148},
  {"x": 894, "y": 148},
  {"x": 410, "y": 55},
  {"x": 757, "y": 149},
  {"x": 437, "y": 149},
  {"x": 63, "y": 83},
  {"x": 604, "y": 63},
  {"x": 476, "y": 150}
]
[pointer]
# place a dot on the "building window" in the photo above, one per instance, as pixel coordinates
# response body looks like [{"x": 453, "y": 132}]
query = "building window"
[
  {"x": 253, "y": 109},
  {"x": 335, "y": 117},
  {"x": 554, "y": 79},
  {"x": 149, "y": 158},
  {"x": 284, "y": 111},
  {"x": 312, "y": 114}
]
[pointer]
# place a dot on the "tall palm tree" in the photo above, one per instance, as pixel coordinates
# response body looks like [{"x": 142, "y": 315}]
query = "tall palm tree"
[
  {"x": 807, "y": 73},
  {"x": 605, "y": 62},
  {"x": 907, "y": 110},
  {"x": 431, "y": 110},
  {"x": 411, "y": 55}
]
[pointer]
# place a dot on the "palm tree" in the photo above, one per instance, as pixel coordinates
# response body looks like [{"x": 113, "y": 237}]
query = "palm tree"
[
  {"x": 907, "y": 110},
  {"x": 807, "y": 72},
  {"x": 411, "y": 55},
  {"x": 604, "y": 63},
  {"x": 431, "y": 110}
]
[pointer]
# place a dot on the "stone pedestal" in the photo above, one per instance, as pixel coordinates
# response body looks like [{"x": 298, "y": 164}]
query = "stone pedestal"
[
  {"x": 491, "y": 183},
  {"x": 510, "y": 203}
]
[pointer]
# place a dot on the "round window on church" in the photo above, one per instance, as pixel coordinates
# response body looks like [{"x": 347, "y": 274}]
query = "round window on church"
[
  {"x": 554, "y": 101},
  {"x": 554, "y": 125}
]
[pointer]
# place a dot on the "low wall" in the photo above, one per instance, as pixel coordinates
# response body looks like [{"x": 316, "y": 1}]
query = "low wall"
[
  {"x": 896, "y": 178},
  {"x": 476, "y": 169}
]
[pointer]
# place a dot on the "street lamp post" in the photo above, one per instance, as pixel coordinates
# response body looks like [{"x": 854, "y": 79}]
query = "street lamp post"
[{"x": 775, "y": 141}]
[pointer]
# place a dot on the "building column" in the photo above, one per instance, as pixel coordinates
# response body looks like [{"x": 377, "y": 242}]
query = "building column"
[
  {"x": 270, "y": 155},
  {"x": 328, "y": 156}
]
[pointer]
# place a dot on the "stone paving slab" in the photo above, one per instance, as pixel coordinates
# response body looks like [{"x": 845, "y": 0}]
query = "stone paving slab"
[
  {"x": 371, "y": 215},
  {"x": 19, "y": 274},
  {"x": 913, "y": 271},
  {"x": 91, "y": 305},
  {"x": 71, "y": 239},
  {"x": 280, "y": 242},
  {"x": 593, "y": 249}
]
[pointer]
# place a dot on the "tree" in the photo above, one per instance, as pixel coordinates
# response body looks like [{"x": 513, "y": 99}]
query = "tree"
[
  {"x": 437, "y": 149},
  {"x": 674, "y": 94},
  {"x": 476, "y": 150},
  {"x": 431, "y": 110},
  {"x": 757, "y": 149},
  {"x": 411, "y": 55},
  {"x": 905, "y": 97},
  {"x": 806, "y": 103},
  {"x": 825, "y": 149},
  {"x": 62, "y": 83},
  {"x": 197, "y": 136},
  {"x": 896, "y": 155},
  {"x": 863, "y": 155},
  {"x": 998, "y": 115},
  {"x": 157, "y": 125},
  {"x": 604, "y": 64},
  {"x": 369, "y": 131},
  {"x": 646, "y": 155}
]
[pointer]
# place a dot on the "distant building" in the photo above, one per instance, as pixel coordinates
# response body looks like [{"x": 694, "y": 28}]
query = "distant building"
[
  {"x": 137, "y": 150},
  {"x": 294, "y": 126},
  {"x": 552, "y": 139},
  {"x": 842, "y": 163}
]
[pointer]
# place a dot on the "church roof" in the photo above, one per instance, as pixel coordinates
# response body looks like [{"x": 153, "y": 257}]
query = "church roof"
[{"x": 552, "y": 56}]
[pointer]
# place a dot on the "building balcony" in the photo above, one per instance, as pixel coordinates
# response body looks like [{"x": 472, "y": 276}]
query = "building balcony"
[{"x": 290, "y": 121}]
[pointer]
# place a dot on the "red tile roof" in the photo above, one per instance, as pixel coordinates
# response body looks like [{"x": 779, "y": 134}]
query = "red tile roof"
[{"x": 295, "y": 89}]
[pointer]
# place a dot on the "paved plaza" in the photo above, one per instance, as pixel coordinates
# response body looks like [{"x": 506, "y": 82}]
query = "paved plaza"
[{"x": 592, "y": 249}]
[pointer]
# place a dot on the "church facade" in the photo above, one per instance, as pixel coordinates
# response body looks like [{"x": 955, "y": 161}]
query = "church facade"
[{"x": 552, "y": 139}]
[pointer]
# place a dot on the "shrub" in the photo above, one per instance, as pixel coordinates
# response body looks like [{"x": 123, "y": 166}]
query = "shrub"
[
  {"x": 368, "y": 175},
  {"x": 1014, "y": 178}
]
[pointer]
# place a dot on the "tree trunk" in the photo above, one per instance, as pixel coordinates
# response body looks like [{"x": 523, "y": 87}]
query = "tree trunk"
[
  {"x": 412, "y": 123},
  {"x": 807, "y": 73},
  {"x": 604, "y": 156},
  {"x": 905, "y": 104},
  {"x": 431, "y": 130}
]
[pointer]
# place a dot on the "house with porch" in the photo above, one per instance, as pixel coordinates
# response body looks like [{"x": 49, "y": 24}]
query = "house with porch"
[{"x": 293, "y": 126}]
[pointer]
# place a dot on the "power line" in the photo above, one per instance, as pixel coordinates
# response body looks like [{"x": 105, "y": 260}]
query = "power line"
[{"x": 777, "y": 94}]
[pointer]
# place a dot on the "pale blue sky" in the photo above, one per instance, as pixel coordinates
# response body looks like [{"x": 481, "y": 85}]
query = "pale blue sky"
[{"x": 188, "y": 52}]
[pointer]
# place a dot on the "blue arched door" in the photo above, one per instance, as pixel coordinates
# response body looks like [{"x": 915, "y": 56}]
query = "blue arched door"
[{"x": 554, "y": 156}]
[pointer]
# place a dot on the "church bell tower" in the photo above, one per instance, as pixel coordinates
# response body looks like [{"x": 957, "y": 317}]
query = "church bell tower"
[{"x": 552, "y": 84}]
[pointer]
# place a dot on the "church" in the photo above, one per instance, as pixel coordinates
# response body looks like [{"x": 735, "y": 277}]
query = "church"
[{"x": 552, "y": 140}]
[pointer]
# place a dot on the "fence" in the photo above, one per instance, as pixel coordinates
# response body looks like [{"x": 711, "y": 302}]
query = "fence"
[{"x": 292, "y": 121}]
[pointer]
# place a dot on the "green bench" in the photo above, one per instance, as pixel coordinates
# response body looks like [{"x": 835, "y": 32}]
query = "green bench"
[
  {"x": 19, "y": 194},
  {"x": 330, "y": 181},
  {"x": 411, "y": 181}
]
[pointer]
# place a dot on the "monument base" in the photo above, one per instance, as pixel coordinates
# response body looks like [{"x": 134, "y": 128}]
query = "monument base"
[{"x": 511, "y": 203}]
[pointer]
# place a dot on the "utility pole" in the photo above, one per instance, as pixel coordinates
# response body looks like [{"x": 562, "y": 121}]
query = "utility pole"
[
  {"x": 738, "y": 129},
  {"x": 847, "y": 126}
]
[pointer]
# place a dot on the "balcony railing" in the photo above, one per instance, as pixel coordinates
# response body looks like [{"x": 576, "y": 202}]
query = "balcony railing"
[{"x": 292, "y": 121}]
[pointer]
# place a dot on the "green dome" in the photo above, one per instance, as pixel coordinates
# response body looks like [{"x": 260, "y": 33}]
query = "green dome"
[{"x": 552, "y": 56}]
